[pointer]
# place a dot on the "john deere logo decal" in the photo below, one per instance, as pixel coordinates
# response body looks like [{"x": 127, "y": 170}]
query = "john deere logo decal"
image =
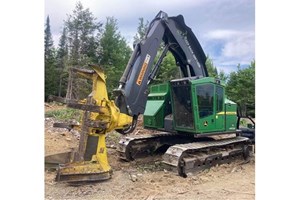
[{"x": 205, "y": 123}]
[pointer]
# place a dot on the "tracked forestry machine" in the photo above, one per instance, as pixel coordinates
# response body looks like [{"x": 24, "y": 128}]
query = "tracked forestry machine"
[{"x": 191, "y": 114}]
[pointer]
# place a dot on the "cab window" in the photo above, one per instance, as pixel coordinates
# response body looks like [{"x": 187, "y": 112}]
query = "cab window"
[
  {"x": 220, "y": 98},
  {"x": 205, "y": 96}
]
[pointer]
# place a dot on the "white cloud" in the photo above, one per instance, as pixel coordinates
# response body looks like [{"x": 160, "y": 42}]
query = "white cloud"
[
  {"x": 227, "y": 69},
  {"x": 237, "y": 47},
  {"x": 120, "y": 8},
  {"x": 221, "y": 34},
  {"x": 240, "y": 45}
]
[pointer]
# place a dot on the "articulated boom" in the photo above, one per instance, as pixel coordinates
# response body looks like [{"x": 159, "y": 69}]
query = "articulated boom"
[{"x": 140, "y": 70}]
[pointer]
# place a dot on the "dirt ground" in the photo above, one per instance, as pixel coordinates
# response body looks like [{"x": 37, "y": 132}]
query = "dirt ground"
[{"x": 145, "y": 178}]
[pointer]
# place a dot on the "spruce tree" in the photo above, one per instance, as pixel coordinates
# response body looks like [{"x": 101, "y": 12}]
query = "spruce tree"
[
  {"x": 49, "y": 59},
  {"x": 82, "y": 28},
  {"x": 114, "y": 53},
  {"x": 62, "y": 57},
  {"x": 141, "y": 30}
]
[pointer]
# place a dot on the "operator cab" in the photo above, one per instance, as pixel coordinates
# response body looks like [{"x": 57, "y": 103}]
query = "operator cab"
[{"x": 199, "y": 106}]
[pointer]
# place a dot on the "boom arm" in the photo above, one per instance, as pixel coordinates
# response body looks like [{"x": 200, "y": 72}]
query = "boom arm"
[{"x": 179, "y": 40}]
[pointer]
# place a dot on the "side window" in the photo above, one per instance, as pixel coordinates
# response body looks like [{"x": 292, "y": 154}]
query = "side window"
[
  {"x": 220, "y": 98},
  {"x": 205, "y": 96}
]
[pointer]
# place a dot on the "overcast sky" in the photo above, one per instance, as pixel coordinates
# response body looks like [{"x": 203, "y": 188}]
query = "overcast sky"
[{"x": 224, "y": 28}]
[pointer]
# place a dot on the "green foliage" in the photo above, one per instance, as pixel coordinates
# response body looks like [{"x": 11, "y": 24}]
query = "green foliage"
[
  {"x": 213, "y": 71},
  {"x": 48, "y": 42},
  {"x": 241, "y": 89},
  {"x": 51, "y": 80},
  {"x": 80, "y": 49},
  {"x": 114, "y": 53},
  {"x": 240, "y": 86},
  {"x": 222, "y": 76},
  {"x": 168, "y": 70},
  {"x": 62, "y": 59},
  {"x": 81, "y": 29},
  {"x": 64, "y": 114}
]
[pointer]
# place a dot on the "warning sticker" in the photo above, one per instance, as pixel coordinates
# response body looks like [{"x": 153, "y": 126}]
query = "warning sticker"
[{"x": 143, "y": 70}]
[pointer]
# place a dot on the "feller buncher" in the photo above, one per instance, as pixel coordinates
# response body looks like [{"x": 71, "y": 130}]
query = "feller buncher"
[{"x": 186, "y": 112}]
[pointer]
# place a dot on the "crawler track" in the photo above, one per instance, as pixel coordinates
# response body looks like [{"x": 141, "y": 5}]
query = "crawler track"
[
  {"x": 197, "y": 156},
  {"x": 184, "y": 154},
  {"x": 132, "y": 147}
]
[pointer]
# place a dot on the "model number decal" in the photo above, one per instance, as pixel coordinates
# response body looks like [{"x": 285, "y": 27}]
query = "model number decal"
[{"x": 143, "y": 70}]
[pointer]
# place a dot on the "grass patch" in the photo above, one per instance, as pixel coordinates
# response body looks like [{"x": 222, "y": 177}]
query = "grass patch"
[{"x": 64, "y": 114}]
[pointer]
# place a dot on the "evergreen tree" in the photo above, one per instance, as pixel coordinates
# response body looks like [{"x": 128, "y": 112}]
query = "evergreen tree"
[
  {"x": 168, "y": 70},
  {"x": 114, "y": 53},
  {"x": 82, "y": 28},
  {"x": 222, "y": 76},
  {"x": 211, "y": 69},
  {"x": 48, "y": 42},
  {"x": 62, "y": 58},
  {"x": 49, "y": 59},
  {"x": 141, "y": 30},
  {"x": 241, "y": 89}
]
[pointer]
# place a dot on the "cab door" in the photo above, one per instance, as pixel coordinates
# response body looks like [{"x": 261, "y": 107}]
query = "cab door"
[{"x": 206, "y": 110}]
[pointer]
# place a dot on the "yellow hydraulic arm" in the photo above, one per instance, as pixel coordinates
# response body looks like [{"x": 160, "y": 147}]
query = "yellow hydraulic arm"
[{"x": 100, "y": 116}]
